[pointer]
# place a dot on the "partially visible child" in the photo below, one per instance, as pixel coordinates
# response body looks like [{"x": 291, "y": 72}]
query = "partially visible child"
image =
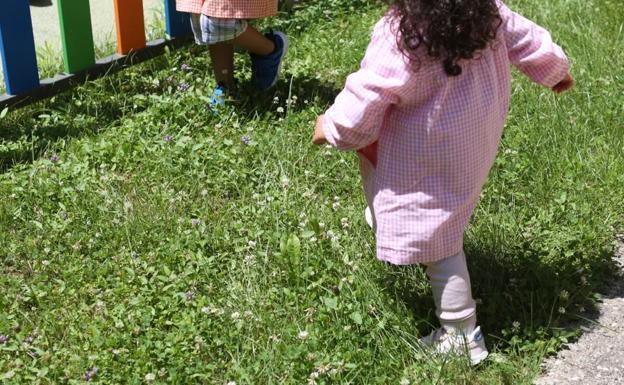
[
  {"x": 426, "y": 112},
  {"x": 223, "y": 25}
]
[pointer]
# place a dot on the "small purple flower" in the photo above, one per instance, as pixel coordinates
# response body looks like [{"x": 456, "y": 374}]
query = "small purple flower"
[
  {"x": 3, "y": 339},
  {"x": 190, "y": 295},
  {"x": 195, "y": 222},
  {"x": 185, "y": 67},
  {"x": 55, "y": 158},
  {"x": 168, "y": 138},
  {"x": 246, "y": 139},
  {"x": 29, "y": 340},
  {"x": 91, "y": 373},
  {"x": 183, "y": 87}
]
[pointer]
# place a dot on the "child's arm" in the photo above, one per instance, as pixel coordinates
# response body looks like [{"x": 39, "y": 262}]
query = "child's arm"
[
  {"x": 356, "y": 117},
  {"x": 532, "y": 51},
  {"x": 319, "y": 135}
]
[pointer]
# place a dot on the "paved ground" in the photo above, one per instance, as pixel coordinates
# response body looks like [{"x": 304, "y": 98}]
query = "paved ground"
[
  {"x": 46, "y": 25},
  {"x": 597, "y": 358}
]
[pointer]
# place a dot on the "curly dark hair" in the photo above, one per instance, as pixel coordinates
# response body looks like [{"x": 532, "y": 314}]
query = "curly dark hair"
[{"x": 450, "y": 30}]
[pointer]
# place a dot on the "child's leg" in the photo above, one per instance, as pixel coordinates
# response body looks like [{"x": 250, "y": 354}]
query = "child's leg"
[
  {"x": 367, "y": 170},
  {"x": 253, "y": 41},
  {"x": 452, "y": 294},
  {"x": 222, "y": 55}
]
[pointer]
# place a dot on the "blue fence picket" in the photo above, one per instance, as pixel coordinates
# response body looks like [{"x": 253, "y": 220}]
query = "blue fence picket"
[
  {"x": 17, "y": 47},
  {"x": 177, "y": 23}
]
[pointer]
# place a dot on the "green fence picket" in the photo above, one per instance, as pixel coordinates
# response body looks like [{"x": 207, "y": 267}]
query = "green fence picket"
[{"x": 77, "y": 35}]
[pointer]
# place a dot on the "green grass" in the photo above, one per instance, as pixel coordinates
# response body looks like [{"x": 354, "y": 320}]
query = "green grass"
[{"x": 159, "y": 244}]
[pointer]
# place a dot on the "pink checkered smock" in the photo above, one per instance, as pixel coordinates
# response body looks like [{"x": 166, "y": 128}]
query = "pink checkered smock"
[
  {"x": 229, "y": 9},
  {"x": 437, "y": 136}
]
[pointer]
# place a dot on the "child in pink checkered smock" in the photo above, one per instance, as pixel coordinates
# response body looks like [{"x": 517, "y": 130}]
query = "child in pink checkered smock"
[
  {"x": 222, "y": 25},
  {"x": 426, "y": 112}
]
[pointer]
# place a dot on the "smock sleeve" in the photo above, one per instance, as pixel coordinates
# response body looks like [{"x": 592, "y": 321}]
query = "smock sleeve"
[
  {"x": 532, "y": 50},
  {"x": 356, "y": 117}
]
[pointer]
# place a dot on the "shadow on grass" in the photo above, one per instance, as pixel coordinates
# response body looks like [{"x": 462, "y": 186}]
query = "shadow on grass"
[
  {"x": 510, "y": 289},
  {"x": 303, "y": 89},
  {"x": 84, "y": 111}
]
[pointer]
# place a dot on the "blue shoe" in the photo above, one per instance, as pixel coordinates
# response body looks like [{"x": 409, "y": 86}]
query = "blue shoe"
[
  {"x": 266, "y": 69},
  {"x": 217, "y": 99}
]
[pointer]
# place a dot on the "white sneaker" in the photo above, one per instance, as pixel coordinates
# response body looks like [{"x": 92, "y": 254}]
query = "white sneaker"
[
  {"x": 368, "y": 215},
  {"x": 445, "y": 341}
]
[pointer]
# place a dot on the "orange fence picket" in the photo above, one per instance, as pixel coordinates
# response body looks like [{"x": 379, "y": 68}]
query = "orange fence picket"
[{"x": 130, "y": 25}]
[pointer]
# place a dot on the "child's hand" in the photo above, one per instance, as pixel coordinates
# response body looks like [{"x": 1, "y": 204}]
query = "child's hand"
[
  {"x": 319, "y": 135},
  {"x": 564, "y": 85}
]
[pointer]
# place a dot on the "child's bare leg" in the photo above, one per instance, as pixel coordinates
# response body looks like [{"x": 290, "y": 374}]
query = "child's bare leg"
[
  {"x": 222, "y": 55},
  {"x": 253, "y": 41}
]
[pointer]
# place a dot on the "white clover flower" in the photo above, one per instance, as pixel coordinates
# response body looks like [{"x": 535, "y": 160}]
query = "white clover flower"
[
  {"x": 303, "y": 335},
  {"x": 562, "y": 310},
  {"x": 251, "y": 244},
  {"x": 404, "y": 381},
  {"x": 564, "y": 295},
  {"x": 280, "y": 110},
  {"x": 231, "y": 383},
  {"x": 149, "y": 377},
  {"x": 336, "y": 205},
  {"x": 235, "y": 315}
]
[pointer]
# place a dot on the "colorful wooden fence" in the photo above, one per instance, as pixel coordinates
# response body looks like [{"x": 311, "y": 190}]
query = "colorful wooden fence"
[{"x": 19, "y": 59}]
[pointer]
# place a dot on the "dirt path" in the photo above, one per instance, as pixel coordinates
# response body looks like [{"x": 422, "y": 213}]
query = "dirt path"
[{"x": 597, "y": 358}]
